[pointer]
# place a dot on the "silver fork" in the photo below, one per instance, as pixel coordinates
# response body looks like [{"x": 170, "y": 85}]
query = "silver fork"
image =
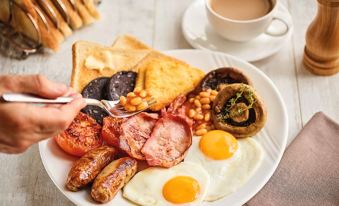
[{"x": 113, "y": 108}]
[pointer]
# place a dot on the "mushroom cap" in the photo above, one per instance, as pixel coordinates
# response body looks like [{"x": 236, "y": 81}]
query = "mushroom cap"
[
  {"x": 257, "y": 112},
  {"x": 222, "y": 76}
]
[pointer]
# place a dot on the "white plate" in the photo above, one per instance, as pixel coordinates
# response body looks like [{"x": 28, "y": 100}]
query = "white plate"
[
  {"x": 200, "y": 35},
  {"x": 272, "y": 137}
]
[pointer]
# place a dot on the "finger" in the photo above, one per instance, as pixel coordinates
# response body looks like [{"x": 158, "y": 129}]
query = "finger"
[
  {"x": 74, "y": 95},
  {"x": 53, "y": 105},
  {"x": 33, "y": 84},
  {"x": 38, "y": 123},
  {"x": 71, "y": 110},
  {"x": 51, "y": 120},
  {"x": 70, "y": 92}
]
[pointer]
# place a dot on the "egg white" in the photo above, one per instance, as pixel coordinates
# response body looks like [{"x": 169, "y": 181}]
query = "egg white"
[
  {"x": 145, "y": 188},
  {"x": 226, "y": 176}
]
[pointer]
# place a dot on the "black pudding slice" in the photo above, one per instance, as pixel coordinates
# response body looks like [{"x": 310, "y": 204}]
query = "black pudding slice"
[
  {"x": 120, "y": 84},
  {"x": 96, "y": 90}
]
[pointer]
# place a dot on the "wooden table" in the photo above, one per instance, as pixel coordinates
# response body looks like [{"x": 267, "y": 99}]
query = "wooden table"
[{"x": 158, "y": 23}]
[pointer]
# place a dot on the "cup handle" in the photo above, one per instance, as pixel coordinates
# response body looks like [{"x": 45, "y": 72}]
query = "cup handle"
[{"x": 277, "y": 34}]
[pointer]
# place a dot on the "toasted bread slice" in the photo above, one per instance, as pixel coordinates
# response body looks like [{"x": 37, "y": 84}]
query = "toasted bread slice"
[
  {"x": 57, "y": 19},
  {"x": 120, "y": 59},
  {"x": 129, "y": 42},
  {"x": 166, "y": 78}
]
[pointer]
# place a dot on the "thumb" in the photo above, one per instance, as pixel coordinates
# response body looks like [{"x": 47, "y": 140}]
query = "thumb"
[{"x": 34, "y": 84}]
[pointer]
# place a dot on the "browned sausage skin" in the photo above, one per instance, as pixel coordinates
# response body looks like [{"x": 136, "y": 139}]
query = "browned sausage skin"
[
  {"x": 85, "y": 169},
  {"x": 113, "y": 178}
]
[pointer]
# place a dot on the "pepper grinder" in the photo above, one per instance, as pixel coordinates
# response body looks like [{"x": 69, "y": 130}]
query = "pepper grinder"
[{"x": 321, "y": 55}]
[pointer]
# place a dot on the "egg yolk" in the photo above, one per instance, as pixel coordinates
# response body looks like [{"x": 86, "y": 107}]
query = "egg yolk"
[
  {"x": 181, "y": 189},
  {"x": 218, "y": 145}
]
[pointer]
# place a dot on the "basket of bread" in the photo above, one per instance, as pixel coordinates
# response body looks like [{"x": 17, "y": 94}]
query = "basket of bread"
[{"x": 27, "y": 26}]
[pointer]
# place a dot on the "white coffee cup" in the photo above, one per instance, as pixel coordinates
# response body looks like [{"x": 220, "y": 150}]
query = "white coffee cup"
[{"x": 244, "y": 30}]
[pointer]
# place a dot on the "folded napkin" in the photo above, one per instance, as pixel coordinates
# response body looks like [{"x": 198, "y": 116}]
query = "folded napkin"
[{"x": 308, "y": 173}]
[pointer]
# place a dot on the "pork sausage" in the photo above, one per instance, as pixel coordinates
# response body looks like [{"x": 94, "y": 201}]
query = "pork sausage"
[
  {"x": 113, "y": 178},
  {"x": 85, "y": 169}
]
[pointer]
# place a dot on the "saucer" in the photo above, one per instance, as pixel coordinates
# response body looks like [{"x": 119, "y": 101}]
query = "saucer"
[{"x": 199, "y": 33}]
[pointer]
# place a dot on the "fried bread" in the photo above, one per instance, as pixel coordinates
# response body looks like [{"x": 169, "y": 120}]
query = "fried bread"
[{"x": 166, "y": 78}]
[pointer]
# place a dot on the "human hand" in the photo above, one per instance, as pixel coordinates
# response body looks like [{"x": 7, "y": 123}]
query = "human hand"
[{"x": 22, "y": 125}]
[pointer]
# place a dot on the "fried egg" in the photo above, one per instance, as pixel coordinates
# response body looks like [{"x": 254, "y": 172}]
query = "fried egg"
[
  {"x": 230, "y": 162},
  {"x": 183, "y": 184}
]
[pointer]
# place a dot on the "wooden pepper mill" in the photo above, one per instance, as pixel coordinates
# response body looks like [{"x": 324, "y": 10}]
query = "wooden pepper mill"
[{"x": 321, "y": 55}]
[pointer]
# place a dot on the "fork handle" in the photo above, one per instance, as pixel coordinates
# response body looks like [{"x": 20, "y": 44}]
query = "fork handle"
[{"x": 26, "y": 98}]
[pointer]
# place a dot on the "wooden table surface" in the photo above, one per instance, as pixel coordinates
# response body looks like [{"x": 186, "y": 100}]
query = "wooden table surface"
[{"x": 158, "y": 23}]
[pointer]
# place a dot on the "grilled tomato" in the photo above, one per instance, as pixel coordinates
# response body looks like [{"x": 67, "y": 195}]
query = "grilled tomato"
[{"x": 81, "y": 136}]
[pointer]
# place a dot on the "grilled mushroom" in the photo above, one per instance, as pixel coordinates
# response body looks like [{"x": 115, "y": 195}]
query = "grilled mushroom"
[
  {"x": 237, "y": 109},
  {"x": 221, "y": 77}
]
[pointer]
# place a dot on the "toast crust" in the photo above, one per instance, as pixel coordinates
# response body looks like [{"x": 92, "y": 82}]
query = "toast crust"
[{"x": 129, "y": 42}]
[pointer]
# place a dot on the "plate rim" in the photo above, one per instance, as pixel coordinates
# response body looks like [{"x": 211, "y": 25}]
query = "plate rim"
[
  {"x": 251, "y": 59},
  {"x": 285, "y": 130}
]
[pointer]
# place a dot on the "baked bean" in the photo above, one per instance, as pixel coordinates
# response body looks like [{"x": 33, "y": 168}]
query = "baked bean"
[
  {"x": 201, "y": 132},
  {"x": 205, "y": 100},
  {"x": 200, "y": 111},
  {"x": 198, "y": 117},
  {"x": 197, "y": 103},
  {"x": 214, "y": 92},
  {"x": 143, "y": 94},
  {"x": 191, "y": 113},
  {"x": 136, "y": 101},
  {"x": 142, "y": 106},
  {"x": 131, "y": 94},
  {"x": 207, "y": 117},
  {"x": 204, "y": 94},
  {"x": 123, "y": 100},
  {"x": 130, "y": 108},
  {"x": 206, "y": 106},
  {"x": 137, "y": 90}
]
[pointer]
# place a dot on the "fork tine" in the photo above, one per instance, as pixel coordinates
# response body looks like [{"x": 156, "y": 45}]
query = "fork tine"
[
  {"x": 120, "y": 111},
  {"x": 151, "y": 101}
]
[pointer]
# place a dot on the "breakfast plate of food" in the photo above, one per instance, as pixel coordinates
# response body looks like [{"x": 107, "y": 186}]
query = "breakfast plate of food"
[{"x": 213, "y": 136}]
